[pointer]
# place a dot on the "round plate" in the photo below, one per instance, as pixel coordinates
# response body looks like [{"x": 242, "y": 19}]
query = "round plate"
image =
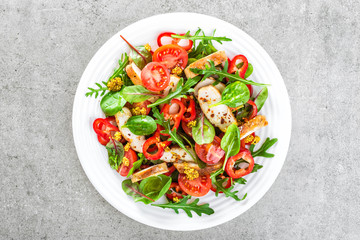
[{"x": 93, "y": 156}]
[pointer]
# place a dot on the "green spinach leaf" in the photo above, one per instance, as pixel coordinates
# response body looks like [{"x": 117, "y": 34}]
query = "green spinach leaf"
[
  {"x": 141, "y": 125},
  {"x": 112, "y": 103},
  {"x": 133, "y": 190},
  {"x": 138, "y": 60},
  {"x": 155, "y": 187},
  {"x": 234, "y": 95},
  {"x": 230, "y": 143},
  {"x": 137, "y": 93},
  {"x": 249, "y": 70},
  {"x": 203, "y": 132},
  {"x": 261, "y": 98},
  {"x": 188, "y": 207}
]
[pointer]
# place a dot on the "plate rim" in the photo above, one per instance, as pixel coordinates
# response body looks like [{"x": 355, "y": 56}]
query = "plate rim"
[{"x": 77, "y": 96}]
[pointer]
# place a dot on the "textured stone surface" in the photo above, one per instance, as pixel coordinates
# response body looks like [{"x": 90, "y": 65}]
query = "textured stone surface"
[{"x": 46, "y": 45}]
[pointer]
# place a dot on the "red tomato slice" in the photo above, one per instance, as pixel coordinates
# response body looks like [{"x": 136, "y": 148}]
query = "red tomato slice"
[
  {"x": 155, "y": 76},
  {"x": 197, "y": 187},
  {"x": 141, "y": 105},
  {"x": 131, "y": 155},
  {"x": 210, "y": 153},
  {"x": 227, "y": 185},
  {"x": 235, "y": 171},
  {"x": 171, "y": 56},
  {"x": 175, "y": 191},
  {"x": 186, "y": 129}
]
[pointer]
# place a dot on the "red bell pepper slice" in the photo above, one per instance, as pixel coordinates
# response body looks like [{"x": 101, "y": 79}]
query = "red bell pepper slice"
[
  {"x": 148, "y": 151},
  {"x": 103, "y": 128},
  {"x": 232, "y": 68},
  {"x": 254, "y": 109},
  {"x": 235, "y": 173},
  {"x": 174, "y": 40},
  {"x": 176, "y": 117},
  {"x": 164, "y": 143},
  {"x": 190, "y": 112}
]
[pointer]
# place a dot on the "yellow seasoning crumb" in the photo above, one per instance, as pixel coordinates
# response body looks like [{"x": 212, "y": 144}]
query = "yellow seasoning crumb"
[
  {"x": 176, "y": 70},
  {"x": 167, "y": 149},
  {"x": 115, "y": 84},
  {"x": 117, "y": 136},
  {"x": 256, "y": 140},
  {"x": 147, "y": 47},
  {"x": 191, "y": 124},
  {"x": 126, "y": 162},
  {"x": 163, "y": 145},
  {"x": 127, "y": 147},
  {"x": 176, "y": 199},
  {"x": 249, "y": 138},
  {"x": 138, "y": 111},
  {"x": 191, "y": 173}
]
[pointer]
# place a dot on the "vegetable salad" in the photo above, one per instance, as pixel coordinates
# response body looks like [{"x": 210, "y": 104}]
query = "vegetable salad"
[{"x": 181, "y": 121}]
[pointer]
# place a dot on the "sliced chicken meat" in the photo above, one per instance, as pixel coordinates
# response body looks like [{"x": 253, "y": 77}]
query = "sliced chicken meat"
[
  {"x": 252, "y": 125},
  {"x": 177, "y": 153},
  {"x": 207, "y": 82},
  {"x": 149, "y": 172}
]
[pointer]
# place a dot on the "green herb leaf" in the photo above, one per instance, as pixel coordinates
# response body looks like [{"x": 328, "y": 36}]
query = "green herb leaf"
[
  {"x": 115, "y": 152},
  {"x": 137, "y": 164},
  {"x": 200, "y": 163},
  {"x": 141, "y": 125},
  {"x": 230, "y": 143},
  {"x": 133, "y": 190},
  {"x": 261, "y": 98},
  {"x": 234, "y": 95},
  {"x": 155, "y": 187},
  {"x": 211, "y": 70},
  {"x": 180, "y": 91},
  {"x": 138, "y": 60},
  {"x": 137, "y": 93},
  {"x": 187, "y": 207},
  {"x": 197, "y": 36},
  {"x": 227, "y": 191},
  {"x": 249, "y": 70},
  {"x": 240, "y": 180},
  {"x": 101, "y": 90},
  {"x": 256, "y": 167},
  {"x": 261, "y": 152},
  {"x": 112, "y": 103},
  {"x": 203, "y": 132}
]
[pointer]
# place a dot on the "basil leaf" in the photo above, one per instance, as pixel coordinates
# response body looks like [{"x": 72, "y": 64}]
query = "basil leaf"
[
  {"x": 155, "y": 187},
  {"x": 203, "y": 132},
  {"x": 141, "y": 125},
  {"x": 261, "y": 98},
  {"x": 112, "y": 103},
  {"x": 137, "y": 59},
  {"x": 137, "y": 93},
  {"x": 133, "y": 190},
  {"x": 234, "y": 95},
  {"x": 249, "y": 70},
  {"x": 115, "y": 153},
  {"x": 230, "y": 143}
]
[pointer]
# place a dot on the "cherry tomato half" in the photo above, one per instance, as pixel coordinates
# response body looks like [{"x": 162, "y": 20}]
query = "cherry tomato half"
[
  {"x": 198, "y": 187},
  {"x": 175, "y": 191},
  {"x": 131, "y": 155},
  {"x": 186, "y": 128},
  {"x": 142, "y": 105},
  {"x": 155, "y": 76},
  {"x": 234, "y": 170},
  {"x": 210, "y": 153},
  {"x": 171, "y": 56}
]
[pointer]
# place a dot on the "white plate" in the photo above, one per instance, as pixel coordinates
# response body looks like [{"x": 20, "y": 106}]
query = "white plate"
[{"x": 93, "y": 156}]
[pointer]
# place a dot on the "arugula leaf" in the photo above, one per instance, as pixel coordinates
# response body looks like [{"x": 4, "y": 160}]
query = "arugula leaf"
[
  {"x": 138, "y": 60},
  {"x": 256, "y": 167},
  {"x": 261, "y": 152},
  {"x": 240, "y": 180},
  {"x": 173, "y": 135},
  {"x": 119, "y": 72},
  {"x": 230, "y": 143},
  {"x": 197, "y": 36},
  {"x": 180, "y": 91},
  {"x": 227, "y": 191},
  {"x": 141, "y": 125},
  {"x": 203, "y": 132},
  {"x": 137, "y": 93},
  {"x": 115, "y": 152},
  {"x": 211, "y": 70},
  {"x": 137, "y": 164},
  {"x": 188, "y": 207}
]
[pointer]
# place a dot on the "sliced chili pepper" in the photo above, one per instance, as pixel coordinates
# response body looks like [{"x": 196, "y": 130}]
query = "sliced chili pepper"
[
  {"x": 233, "y": 66},
  {"x": 174, "y": 40},
  {"x": 190, "y": 112},
  {"x": 103, "y": 128},
  {"x": 159, "y": 151},
  {"x": 235, "y": 172},
  {"x": 176, "y": 117},
  {"x": 254, "y": 109},
  {"x": 163, "y": 143}
]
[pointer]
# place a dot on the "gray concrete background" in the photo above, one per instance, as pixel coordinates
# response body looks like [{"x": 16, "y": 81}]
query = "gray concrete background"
[{"x": 46, "y": 45}]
